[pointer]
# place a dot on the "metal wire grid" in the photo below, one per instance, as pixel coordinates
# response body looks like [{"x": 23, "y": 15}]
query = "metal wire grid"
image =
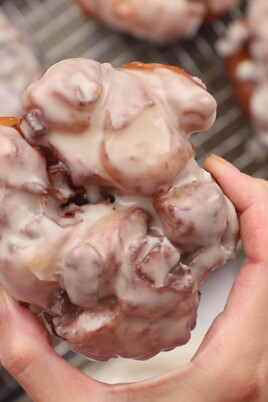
[{"x": 59, "y": 30}]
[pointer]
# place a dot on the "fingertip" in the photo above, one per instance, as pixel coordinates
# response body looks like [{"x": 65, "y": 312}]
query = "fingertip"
[
  {"x": 216, "y": 164},
  {"x": 224, "y": 173},
  {"x": 240, "y": 188}
]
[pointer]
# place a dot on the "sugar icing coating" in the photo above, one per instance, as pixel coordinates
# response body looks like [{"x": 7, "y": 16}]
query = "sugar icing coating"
[
  {"x": 251, "y": 35},
  {"x": 111, "y": 226},
  {"x": 18, "y": 67},
  {"x": 141, "y": 18}
]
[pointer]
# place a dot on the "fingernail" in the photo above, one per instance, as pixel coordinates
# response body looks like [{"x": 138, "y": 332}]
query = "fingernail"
[{"x": 3, "y": 306}]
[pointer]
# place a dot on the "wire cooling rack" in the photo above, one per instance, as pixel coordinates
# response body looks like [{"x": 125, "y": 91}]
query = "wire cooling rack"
[{"x": 59, "y": 30}]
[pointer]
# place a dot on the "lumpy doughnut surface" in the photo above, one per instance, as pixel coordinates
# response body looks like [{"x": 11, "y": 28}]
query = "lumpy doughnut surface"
[{"x": 107, "y": 223}]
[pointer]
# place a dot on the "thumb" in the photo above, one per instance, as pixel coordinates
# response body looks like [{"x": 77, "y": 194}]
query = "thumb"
[{"x": 26, "y": 353}]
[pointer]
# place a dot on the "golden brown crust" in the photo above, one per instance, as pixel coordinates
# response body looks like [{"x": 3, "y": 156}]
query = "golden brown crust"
[
  {"x": 10, "y": 121},
  {"x": 150, "y": 67}
]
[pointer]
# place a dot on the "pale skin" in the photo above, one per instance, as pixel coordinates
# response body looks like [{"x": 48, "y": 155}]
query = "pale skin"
[{"x": 231, "y": 364}]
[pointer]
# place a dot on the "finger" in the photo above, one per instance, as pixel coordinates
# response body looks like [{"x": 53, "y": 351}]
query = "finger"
[
  {"x": 235, "y": 350},
  {"x": 26, "y": 352},
  {"x": 231, "y": 364},
  {"x": 234, "y": 353},
  {"x": 242, "y": 189},
  {"x": 250, "y": 197}
]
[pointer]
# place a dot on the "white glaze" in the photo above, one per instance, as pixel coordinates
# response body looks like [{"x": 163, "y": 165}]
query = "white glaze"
[
  {"x": 112, "y": 147},
  {"x": 109, "y": 272},
  {"x": 21, "y": 165}
]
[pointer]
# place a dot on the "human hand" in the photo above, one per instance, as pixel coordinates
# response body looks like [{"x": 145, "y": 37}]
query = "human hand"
[{"x": 232, "y": 362}]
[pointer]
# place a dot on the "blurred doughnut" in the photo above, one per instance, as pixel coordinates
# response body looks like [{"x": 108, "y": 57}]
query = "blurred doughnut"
[
  {"x": 244, "y": 48},
  {"x": 156, "y": 20},
  {"x": 18, "y": 68}
]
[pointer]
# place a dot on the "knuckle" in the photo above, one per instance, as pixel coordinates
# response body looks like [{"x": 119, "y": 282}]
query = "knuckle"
[{"x": 16, "y": 359}]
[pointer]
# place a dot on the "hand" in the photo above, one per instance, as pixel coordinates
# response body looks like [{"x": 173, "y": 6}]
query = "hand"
[{"x": 232, "y": 362}]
